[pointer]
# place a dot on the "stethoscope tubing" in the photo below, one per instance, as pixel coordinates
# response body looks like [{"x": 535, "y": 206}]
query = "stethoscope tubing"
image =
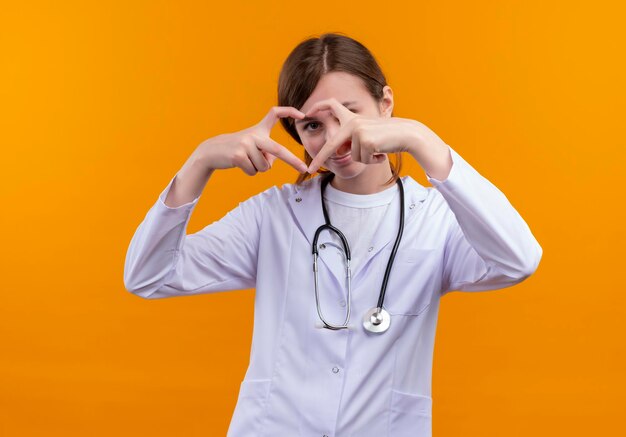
[{"x": 374, "y": 316}]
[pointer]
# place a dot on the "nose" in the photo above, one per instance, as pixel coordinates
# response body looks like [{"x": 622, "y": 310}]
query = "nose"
[{"x": 332, "y": 127}]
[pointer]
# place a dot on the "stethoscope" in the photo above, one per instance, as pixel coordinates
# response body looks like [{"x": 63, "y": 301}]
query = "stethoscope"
[{"x": 377, "y": 319}]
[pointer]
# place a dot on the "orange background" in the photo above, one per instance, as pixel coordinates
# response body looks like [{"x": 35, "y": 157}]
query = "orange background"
[{"x": 103, "y": 103}]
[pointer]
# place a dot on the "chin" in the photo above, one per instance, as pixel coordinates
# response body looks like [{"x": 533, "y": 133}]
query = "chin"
[{"x": 348, "y": 171}]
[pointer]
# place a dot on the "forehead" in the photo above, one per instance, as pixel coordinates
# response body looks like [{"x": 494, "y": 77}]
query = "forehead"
[{"x": 344, "y": 87}]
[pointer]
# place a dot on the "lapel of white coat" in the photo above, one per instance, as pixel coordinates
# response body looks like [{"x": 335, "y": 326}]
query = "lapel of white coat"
[
  {"x": 414, "y": 197},
  {"x": 306, "y": 205}
]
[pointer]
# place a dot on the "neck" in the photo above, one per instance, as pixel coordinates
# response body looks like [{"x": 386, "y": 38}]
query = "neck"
[{"x": 371, "y": 180}]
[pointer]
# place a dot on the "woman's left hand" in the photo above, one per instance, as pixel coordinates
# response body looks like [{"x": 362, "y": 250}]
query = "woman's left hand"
[{"x": 372, "y": 137}]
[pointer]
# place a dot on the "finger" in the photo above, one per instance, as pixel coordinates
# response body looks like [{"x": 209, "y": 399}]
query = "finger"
[
  {"x": 246, "y": 165},
  {"x": 277, "y": 112},
  {"x": 279, "y": 151},
  {"x": 368, "y": 156},
  {"x": 377, "y": 158},
  {"x": 363, "y": 152},
  {"x": 258, "y": 159},
  {"x": 343, "y": 134},
  {"x": 341, "y": 112},
  {"x": 269, "y": 157},
  {"x": 356, "y": 148}
]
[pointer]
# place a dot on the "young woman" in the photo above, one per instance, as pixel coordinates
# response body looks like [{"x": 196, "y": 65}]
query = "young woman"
[{"x": 349, "y": 267}]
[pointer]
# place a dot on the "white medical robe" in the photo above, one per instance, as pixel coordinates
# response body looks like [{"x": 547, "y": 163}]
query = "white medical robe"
[{"x": 461, "y": 234}]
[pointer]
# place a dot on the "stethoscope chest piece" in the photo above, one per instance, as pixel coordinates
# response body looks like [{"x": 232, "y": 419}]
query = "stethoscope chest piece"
[{"x": 376, "y": 320}]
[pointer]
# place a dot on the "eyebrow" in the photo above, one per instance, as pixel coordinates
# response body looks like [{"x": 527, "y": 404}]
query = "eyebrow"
[{"x": 305, "y": 119}]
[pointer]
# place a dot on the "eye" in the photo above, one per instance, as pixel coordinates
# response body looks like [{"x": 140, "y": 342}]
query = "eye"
[{"x": 306, "y": 126}]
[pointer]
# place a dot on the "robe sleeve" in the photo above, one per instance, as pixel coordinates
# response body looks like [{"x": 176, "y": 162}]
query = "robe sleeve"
[
  {"x": 162, "y": 260},
  {"x": 489, "y": 245}
]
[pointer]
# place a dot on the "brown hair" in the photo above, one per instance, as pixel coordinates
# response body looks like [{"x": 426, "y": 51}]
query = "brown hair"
[{"x": 309, "y": 61}]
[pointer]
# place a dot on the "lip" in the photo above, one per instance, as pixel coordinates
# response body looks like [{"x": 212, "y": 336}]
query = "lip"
[{"x": 342, "y": 159}]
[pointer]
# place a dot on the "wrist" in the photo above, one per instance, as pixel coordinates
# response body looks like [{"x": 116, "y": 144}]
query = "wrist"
[
  {"x": 415, "y": 139},
  {"x": 204, "y": 156},
  {"x": 201, "y": 162},
  {"x": 430, "y": 151}
]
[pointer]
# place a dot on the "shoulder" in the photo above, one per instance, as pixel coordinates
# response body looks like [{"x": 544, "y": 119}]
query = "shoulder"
[
  {"x": 432, "y": 200},
  {"x": 285, "y": 193},
  {"x": 293, "y": 189},
  {"x": 416, "y": 190},
  {"x": 281, "y": 194}
]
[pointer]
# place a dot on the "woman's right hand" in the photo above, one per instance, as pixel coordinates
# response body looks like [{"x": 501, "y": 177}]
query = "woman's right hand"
[{"x": 251, "y": 149}]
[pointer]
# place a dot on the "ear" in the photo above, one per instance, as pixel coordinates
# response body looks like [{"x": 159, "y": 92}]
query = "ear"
[{"x": 386, "y": 103}]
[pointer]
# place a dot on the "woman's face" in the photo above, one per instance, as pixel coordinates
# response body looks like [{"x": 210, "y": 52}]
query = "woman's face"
[{"x": 350, "y": 91}]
